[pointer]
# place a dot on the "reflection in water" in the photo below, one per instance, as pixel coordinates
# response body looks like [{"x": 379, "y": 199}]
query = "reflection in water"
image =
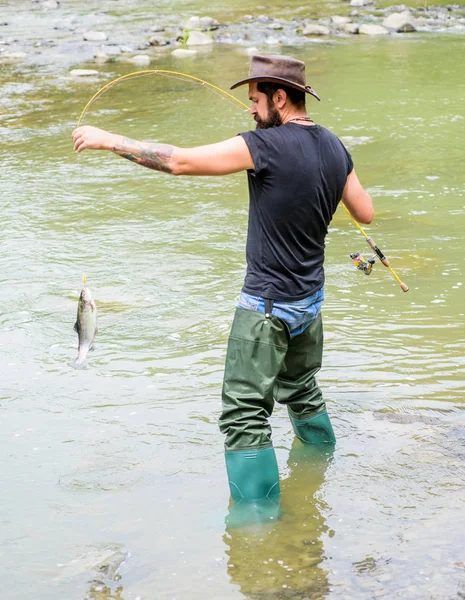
[
  {"x": 99, "y": 591},
  {"x": 283, "y": 558}
]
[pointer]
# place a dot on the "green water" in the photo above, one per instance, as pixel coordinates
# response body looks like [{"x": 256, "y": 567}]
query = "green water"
[{"x": 127, "y": 455}]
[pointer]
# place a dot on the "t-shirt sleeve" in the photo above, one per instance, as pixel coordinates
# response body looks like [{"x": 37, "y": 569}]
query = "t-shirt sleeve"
[
  {"x": 258, "y": 145},
  {"x": 350, "y": 162}
]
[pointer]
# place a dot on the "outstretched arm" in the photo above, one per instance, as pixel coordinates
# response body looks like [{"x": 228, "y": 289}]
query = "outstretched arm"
[
  {"x": 357, "y": 200},
  {"x": 222, "y": 158}
]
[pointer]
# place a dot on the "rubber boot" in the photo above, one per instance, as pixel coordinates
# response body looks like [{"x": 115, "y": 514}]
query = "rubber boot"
[
  {"x": 254, "y": 484},
  {"x": 315, "y": 430}
]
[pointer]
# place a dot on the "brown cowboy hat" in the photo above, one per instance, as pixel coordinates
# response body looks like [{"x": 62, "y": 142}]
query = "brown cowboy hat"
[{"x": 278, "y": 69}]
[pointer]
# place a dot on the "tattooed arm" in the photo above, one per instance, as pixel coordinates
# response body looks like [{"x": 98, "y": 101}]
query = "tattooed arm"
[{"x": 223, "y": 158}]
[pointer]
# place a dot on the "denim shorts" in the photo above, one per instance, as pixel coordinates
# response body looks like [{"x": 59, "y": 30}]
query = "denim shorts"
[{"x": 297, "y": 314}]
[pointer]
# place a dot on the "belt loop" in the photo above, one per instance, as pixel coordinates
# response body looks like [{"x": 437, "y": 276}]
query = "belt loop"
[{"x": 268, "y": 307}]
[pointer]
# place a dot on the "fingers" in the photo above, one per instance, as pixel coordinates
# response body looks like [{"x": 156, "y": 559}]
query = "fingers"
[{"x": 78, "y": 139}]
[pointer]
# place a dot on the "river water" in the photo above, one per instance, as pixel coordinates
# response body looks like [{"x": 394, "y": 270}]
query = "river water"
[{"x": 126, "y": 456}]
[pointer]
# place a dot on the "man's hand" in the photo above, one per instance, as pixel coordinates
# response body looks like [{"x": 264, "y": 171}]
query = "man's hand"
[{"x": 92, "y": 138}]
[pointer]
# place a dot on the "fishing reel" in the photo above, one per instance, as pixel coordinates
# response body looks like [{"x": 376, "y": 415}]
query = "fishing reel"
[{"x": 361, "y": 263}]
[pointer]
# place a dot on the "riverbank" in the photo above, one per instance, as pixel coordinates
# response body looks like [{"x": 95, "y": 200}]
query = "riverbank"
[{"x": 48, "y": 32}]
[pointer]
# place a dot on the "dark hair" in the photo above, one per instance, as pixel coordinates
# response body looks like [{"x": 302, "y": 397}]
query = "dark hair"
[{"x": 295, "y": 96}]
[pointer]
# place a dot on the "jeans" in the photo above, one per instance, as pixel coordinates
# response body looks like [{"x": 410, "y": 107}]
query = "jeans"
[{"x": 297, "y": 314}]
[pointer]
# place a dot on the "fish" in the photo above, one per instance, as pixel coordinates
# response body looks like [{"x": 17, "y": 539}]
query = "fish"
[{"x": 85, "y": 326}]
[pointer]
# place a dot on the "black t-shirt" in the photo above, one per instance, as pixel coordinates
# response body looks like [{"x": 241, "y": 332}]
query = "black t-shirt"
[{"x": 299, "y": 176}]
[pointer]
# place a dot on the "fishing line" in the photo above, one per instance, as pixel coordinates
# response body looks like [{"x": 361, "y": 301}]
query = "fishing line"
[
  {"x": 226, "y": 95},
  {"x": 174, "y": 74}
]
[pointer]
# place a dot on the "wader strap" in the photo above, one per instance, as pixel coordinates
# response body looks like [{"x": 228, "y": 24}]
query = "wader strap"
[{"x": 268, "y": 307}]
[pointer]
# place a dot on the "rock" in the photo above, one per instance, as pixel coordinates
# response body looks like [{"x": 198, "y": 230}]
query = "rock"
[
  {"x": 193, "y": 23},
  {"x": 102, "y": 57},
  {"x": 140, "y": 59},
  {"x": 360, "y": 2},
  {"x": 201, "y": 24},
  {"x": 111, "y": 50},
  {"x": 84, "y": 73},
  {"x": 158, "y": 28},
  {"x": 109, "y": 567},
  {"x": 340, "y": 21},
  {"x": 373, "y": 29},
  {"x": 315, "y": 29},
  {"x": 197, "y": 38},
  {"x": 207, "y": 23},
  {"x": 402, "y": 22},
  {"x": 352, "y": 28},
  {"x": 126, "y": 49},
  {"x": 95, "y": 36},
  {"x": 158, "y": 40},
  {"x": 183, "y": 53},
  {"x": 275, "y": 26},
  {"x": 50, "y": 5}
]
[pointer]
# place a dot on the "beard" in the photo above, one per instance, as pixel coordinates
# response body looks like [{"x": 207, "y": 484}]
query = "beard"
[{"x": 273, "y": 118}]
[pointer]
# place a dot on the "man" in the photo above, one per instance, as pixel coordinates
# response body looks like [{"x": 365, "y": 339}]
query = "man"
[{"x": 297, "y": 173}]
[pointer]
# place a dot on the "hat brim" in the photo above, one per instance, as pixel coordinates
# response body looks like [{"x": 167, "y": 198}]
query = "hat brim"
[{"x": 307, "y": 89}]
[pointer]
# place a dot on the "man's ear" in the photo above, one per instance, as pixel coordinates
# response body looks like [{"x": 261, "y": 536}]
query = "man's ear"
[{"x": 280, "y": 98}]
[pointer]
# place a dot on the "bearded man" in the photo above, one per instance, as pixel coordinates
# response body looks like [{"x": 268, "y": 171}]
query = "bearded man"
[{"x": 298, "y": 172}]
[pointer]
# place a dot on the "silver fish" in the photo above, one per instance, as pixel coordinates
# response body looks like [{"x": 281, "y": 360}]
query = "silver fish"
[{"x": 85, "y": 326}]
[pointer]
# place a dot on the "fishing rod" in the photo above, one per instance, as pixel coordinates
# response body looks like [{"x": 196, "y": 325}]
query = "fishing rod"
[{"x": 358, "y": 259}]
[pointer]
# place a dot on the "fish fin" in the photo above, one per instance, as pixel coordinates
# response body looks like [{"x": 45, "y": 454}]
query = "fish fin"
[{"x": 76, "y": 326}]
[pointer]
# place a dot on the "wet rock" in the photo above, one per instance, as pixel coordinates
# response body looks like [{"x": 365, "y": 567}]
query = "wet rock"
[
  {"x": 275, "y": 26},
  {"x": 183, "y": 53},
  {"x": 202, "y": 23},
  {"x": 340, "y": 21},
  {"x": 109, "y": 567},
  {"x": 83, "y": 73},
  {"x": 401, "y": 22},
  {"x": 352, "y": 28},
  {"x": 102, "y": 57},
  {"x": 207, "y": 23},
  {"x": 158, "y": 40},
  {"x": 315, "y": 29},
  {"x": 197, "y": 38},
  {"x": 368, "y": 29},
  {"x": 95, "y": 36},
  {"x": 140, "y": 59}
]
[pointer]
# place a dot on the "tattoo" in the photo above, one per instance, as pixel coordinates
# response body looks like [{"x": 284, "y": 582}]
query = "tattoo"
[{"x": 147, "y": 154}]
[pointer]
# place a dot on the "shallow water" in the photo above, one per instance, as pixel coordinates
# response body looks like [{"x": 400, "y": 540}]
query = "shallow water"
[{"x": 127, "y": 456}]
